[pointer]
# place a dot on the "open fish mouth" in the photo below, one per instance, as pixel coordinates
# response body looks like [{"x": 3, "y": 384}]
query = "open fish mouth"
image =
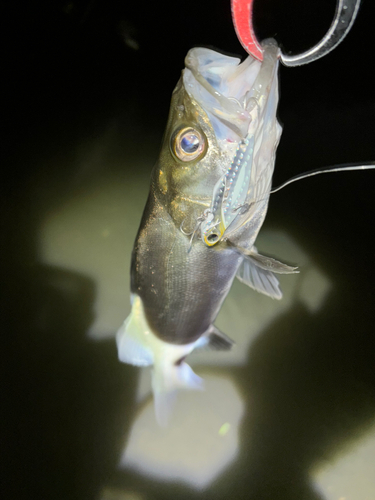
[
  {"x": 240, "y": 101},
  {"x": 230, "y": 92}
]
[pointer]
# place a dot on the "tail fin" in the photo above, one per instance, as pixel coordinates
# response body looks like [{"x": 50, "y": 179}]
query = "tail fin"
[
  {"x": 138, "y": 346},
  {"x": 166, "y": 380}
]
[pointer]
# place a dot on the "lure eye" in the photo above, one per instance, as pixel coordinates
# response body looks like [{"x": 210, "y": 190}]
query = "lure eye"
[
  {"x": 188, "y": 144},
  {"x": 212, "y": 237}
]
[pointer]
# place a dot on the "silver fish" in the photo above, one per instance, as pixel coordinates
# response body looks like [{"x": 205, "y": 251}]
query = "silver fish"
[{"x": 207, "y": 202}]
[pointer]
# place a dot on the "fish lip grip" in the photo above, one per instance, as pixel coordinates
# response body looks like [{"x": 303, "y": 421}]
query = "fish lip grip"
[
  {"x": 346, "y": 12},
  {"x": 242, "y": 16}
]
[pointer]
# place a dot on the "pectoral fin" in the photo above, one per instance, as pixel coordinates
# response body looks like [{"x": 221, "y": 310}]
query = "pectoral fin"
[
  {"x": 269, "y": 264},
  {"x": 257, "y": 271},
  {"x": 259, "y": 279}
]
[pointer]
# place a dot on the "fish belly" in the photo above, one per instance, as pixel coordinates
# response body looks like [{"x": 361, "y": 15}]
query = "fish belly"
[{"x": 181, "y": 291}]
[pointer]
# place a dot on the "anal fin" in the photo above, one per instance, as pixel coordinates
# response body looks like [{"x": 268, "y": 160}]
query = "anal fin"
[{"x": 216, "y": 340}]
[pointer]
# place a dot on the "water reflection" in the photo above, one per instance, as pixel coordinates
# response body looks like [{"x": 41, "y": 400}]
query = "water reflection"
[
  {"x": 93, "y": 232},
  {"x": 200, "y": 442},
  {"x": 279, "y": 404},
  {"x": 352, "y": 476}
]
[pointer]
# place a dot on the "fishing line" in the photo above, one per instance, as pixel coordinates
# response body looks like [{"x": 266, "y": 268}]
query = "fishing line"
[
  {"x": 341, "y": 167},
  {"x": 336, "y": 168}
]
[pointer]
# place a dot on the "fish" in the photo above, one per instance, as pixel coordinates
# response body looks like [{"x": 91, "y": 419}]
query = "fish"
[{"x": 208, "y": 199}]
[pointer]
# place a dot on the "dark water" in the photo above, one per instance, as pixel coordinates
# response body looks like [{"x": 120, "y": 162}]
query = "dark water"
[{"x": 88, "y": 89}]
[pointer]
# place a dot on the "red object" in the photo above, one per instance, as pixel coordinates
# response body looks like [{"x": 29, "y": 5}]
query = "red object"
[{"x": 242, "y": 15}]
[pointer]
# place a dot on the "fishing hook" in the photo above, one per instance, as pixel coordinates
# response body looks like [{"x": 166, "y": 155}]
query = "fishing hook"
[
  {"x": 197, "y": 227},
  {"x": 346, "y": 12},
  {"x": 192, "y": 234}
]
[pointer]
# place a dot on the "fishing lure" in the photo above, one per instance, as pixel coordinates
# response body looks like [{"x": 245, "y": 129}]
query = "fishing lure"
[{"x": 207, "y": 202}]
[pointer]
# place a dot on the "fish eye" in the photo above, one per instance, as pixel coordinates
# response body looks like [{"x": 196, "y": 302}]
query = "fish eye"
[{"x": 188, "y": 144}]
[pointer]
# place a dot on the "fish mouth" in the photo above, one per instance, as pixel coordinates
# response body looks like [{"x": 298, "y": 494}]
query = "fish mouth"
[{"x": 230, "y": 92}]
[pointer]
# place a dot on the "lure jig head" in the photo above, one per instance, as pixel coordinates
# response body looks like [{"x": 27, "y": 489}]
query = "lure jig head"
[{"x": 346, "y": 12}]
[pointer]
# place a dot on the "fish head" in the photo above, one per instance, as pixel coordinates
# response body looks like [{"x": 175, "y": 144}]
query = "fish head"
[
  {"x": 190, "y": 160},
  {"x": 219, "y": 108}
]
